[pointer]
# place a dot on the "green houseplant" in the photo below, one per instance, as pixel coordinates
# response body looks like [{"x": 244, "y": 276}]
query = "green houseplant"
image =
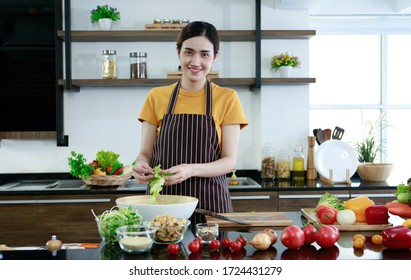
[
  {"x": 284, "y": 59},
  {"x": 370, "y": 148},
  {"x": 104, "y": 12}
]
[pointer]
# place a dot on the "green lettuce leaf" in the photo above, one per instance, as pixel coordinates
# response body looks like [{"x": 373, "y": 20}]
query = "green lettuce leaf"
[{"x": 156, "y": 184}]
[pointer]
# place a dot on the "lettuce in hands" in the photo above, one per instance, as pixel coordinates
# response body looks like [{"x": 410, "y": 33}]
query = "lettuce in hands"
[{"x": 156, "y": 184}]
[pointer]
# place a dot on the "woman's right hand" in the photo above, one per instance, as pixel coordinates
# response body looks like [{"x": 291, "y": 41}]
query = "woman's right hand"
[{"x": 142, "y": 172}]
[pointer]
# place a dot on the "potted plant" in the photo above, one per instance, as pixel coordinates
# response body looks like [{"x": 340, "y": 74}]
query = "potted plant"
[
  {"x": 104, "y": 15},
  {"x": 369, "y": 148},
  {"x": 284, "y": 63}
]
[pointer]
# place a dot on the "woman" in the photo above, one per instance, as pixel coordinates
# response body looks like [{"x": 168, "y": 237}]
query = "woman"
[{"x": 192, "y": 127}]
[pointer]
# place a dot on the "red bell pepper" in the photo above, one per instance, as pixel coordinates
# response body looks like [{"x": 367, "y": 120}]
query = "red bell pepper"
[
  {"x": 376, "y": 215},
  {"x": 397, "y": 237}
]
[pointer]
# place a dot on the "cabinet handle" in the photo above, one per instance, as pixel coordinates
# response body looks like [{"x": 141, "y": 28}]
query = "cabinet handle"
[
  {"x": 292, "y": 196},
  {"x": 62, "y": 201},
  {"x": 250, "y": 197},
  {"x": 7, "y": 202},
  {"x": 388, "y": 195}
]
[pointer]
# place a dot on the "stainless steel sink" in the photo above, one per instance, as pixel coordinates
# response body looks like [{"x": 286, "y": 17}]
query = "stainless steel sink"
[
  {"x": 244, "y": 183},
  {"x": 43, "y": 185}
]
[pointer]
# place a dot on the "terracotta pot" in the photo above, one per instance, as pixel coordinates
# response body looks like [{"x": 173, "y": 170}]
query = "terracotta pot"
[{"x": 375, "y": 172}]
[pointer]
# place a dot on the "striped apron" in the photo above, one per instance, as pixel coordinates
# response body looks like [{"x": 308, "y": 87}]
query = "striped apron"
[{"x": 192, "y": 138}]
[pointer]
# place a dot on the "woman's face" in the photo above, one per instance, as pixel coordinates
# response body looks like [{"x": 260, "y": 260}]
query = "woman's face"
[{"x": 196, "y": 58}]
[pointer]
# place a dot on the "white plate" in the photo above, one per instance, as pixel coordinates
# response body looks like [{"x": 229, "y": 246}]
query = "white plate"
[{"x": 337, "y": 156}]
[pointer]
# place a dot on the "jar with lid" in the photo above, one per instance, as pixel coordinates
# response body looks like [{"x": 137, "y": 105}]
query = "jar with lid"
[
  {"x": 283, "y": 165},
  {"x": 138, "y": 65},
  {"x": 268, "y": 162},
  {"x": 109, "y": 64},
  {"x": 298, "y": 164}
]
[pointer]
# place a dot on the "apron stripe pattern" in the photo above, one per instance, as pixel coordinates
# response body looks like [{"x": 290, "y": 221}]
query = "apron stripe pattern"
[{"x": 192, "y": 138}]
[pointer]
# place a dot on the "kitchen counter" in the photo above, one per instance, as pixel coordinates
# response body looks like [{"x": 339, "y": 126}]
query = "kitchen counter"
[{"x": 343, "y": 249}]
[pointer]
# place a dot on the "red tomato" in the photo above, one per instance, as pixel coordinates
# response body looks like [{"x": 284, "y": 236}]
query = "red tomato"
[
  {"x": 236, "y": 245},
  {"x": 226, "y": 242},
  {"x": 321, "y": 208},
  {"x": 326, "y": 236},
  {"x": 292, "y": 237},
  {"x": 215, "y": 245},
  {"x": 336, "y": 230},
  {"x": 242, "y": 240},
  {"x": 328, "y": 217},
  {"x": 309, "y": 234},
  {"x": 194, "y": 246},
  {"x": 173, "y": 248},
  {"x": 199, "y": 240}
]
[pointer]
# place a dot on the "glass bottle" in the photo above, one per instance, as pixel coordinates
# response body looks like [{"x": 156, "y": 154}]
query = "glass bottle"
[
  {"x": 283, "y": 165},
  {"x": 268, "y": 162},
  {"x": 138, "y": 65},
  {"x": 298, "y": 164},
  {"x": 109, "y": 64}
]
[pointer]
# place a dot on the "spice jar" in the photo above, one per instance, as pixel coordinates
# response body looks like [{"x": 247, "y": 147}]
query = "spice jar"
[
  {"x": 138, "y": 65},
  {"x": 283, "y": 165},
  {"x": 268, "y": 162},
  {"x": 108, "y": 64}
]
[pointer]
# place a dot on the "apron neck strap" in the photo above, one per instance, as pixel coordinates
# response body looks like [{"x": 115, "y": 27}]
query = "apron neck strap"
[{"x": 174, "y": 95}]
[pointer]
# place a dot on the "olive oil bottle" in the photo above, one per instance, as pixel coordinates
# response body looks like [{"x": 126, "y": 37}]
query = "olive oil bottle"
[{"x": 298, "y": 164}]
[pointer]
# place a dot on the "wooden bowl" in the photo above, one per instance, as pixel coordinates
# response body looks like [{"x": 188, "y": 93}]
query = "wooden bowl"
[{"x": 375, "y": 172}]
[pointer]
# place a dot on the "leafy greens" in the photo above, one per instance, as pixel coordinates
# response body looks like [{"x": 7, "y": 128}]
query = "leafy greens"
[
  {"x": 332, "y": 201},
  {"x": 106, "y": 158},
  {"x": 111, "y": 219},
  {"x": 156, "y": 184},
  {"x": 78, "y": 166}
]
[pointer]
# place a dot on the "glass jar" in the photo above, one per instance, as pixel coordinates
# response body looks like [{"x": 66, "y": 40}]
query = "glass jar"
[
  {"x": 138, "y": 65},
  {"x": 283, "y": 165},
  {"x": 298, "y": 164},
  {"x": 109, "y": 64},
  {"x": 268, "y": 162}
]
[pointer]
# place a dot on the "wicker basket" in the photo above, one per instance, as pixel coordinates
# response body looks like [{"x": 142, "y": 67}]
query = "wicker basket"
[{"x": 107, "y": 180}]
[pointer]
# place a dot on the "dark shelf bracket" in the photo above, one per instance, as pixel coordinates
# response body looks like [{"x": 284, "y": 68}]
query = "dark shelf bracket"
[
  {"x": 67, "y": 48},
  {"x": 257, "y": 85}
]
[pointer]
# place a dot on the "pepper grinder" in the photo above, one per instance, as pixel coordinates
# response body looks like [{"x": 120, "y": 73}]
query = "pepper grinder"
[
  {"x": 53, "y": 245},
  {"x": 311, "y": 171}
]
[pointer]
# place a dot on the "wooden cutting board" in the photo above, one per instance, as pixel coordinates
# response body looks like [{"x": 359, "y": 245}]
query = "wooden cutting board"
[
  {"x": 310, "y": 214},
  {"x": 256, "y": 219}
]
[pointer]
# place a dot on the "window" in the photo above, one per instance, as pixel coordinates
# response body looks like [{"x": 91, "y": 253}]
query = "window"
[{"x": 359, "y": 77}]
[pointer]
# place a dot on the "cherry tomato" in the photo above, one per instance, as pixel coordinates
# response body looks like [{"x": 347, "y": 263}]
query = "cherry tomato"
[
  {"x": 194, "y": 246},
  {"x": 242, "y": 240},
  {"x": 292, "y": 237},
  {"x": 376, "y": 239},
  {"x": 360, "y": 236},
  {"x": 215, "y": 245},
  {"x": 199, "y": 240},
  {"x": 328, "y": 217},
  {"x": 359, "y": 243},
  {"x": 226, "y": 242},
  {"x": 309, "y": 234},
  {"x": 173, "y": 248},
  {"x": 326, "y": 236},
  {"x": 236, "y": 245}
]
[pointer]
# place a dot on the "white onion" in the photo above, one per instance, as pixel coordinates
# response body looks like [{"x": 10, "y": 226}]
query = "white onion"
[{"x": 346, "y": 217}]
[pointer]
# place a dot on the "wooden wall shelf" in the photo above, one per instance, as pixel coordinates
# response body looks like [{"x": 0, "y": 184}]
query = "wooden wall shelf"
[
  {"x": 171, "y": 35},
  {"x": 160, "y": 82}
]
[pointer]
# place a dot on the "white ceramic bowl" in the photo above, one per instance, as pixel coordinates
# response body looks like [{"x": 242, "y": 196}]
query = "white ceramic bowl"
[{"x": 175, "y": 205}]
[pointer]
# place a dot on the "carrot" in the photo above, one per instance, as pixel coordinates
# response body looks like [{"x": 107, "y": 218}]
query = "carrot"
[
  {"x": 404, "y": 212},
  {"x": 395, "y": 204}
]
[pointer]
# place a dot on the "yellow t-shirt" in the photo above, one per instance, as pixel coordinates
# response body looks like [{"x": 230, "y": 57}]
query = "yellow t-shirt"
[{"x": 227, "y": 108}]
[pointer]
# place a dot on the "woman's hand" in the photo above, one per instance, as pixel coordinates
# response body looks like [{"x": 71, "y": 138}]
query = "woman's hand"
[
  {"x": 142, "y": 172},
  {"x": 180, "y": 173}
]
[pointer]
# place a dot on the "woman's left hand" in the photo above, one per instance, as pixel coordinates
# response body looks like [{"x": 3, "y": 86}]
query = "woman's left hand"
[{"x": 180, "y": 173}]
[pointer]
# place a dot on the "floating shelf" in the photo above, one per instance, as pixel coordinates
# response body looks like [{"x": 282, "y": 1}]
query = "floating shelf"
[
  {"x": 159, "y": 82},
  {"x": 171, "y": 35}
]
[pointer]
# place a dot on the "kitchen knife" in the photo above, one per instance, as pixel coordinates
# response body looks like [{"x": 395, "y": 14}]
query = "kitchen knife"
[{"x": 219, "y": 216}]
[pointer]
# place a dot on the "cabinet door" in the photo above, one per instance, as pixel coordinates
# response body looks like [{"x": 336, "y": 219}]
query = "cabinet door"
[
  {"x": 380, "y": 197},
  {"x": 70, "y": 217},
  {"x": 295, "y": 200},
  {"x": 254, "y": 201},
  {"x": 18, "y": 221}
]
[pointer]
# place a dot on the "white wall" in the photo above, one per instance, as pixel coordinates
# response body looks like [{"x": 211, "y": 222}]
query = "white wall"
[{"x": 106, "y": 118}]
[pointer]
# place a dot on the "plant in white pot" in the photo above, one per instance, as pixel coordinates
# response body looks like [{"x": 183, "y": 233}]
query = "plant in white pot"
[
  {"x": 104, "y": 15},
  {"x": 369, "y": 148},
  {"x": 284, "y": 62}
]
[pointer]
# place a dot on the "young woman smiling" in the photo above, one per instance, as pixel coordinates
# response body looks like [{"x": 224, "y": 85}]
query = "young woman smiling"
[{"x": 192, "y": 127}]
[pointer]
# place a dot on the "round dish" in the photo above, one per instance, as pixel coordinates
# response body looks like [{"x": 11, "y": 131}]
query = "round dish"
[{"x": 337, "y": 156}]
